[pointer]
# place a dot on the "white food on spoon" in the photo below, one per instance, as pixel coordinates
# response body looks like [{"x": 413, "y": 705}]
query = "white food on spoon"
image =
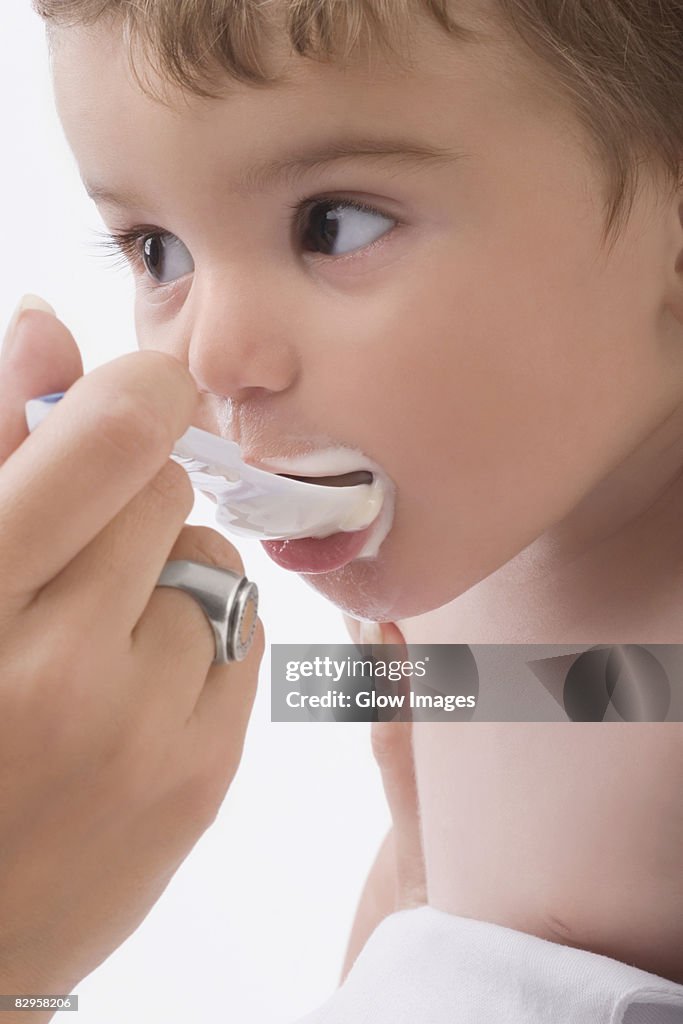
[
  {"x": 338, "y": 461},
  {"x": 263, "y": 501}
]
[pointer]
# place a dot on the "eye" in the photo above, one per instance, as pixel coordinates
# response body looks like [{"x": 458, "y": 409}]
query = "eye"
[
  {"x": 149, "y": 250},
  {"x": 165, "y": 258},
  {"x": 333, "y": 227}
]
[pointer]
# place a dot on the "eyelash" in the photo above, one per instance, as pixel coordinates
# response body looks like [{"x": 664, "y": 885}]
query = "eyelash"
[{"x": 125, "y": 246}]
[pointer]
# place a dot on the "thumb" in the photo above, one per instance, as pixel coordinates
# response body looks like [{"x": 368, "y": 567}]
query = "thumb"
[
  {"x": 39, "y": 356},
  {"x": 392, "y": 745}
]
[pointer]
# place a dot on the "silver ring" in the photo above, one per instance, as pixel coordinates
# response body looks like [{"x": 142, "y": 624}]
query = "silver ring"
[{"x": 229, "y": 601}]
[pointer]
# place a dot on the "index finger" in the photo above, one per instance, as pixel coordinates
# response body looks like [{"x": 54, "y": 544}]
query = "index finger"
[{"x": 107, "y": 438}]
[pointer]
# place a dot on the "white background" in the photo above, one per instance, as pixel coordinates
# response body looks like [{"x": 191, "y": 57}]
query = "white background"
[{"x": 254, "y": 924}]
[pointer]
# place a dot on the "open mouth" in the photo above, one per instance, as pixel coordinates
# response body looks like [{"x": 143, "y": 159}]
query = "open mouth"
[{"x": 361, "y": 476}]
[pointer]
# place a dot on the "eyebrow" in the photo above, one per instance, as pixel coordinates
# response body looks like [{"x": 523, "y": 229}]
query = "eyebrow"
[{"x": 292, "y": 168}]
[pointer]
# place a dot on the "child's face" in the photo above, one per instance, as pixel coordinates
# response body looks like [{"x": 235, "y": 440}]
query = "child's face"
[{"x": 485, "y": 351}]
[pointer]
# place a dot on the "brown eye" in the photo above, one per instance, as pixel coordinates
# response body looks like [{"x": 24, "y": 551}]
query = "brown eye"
[
  {"x": 165, "y": 257},
  {"x": 333, "y": 227}
]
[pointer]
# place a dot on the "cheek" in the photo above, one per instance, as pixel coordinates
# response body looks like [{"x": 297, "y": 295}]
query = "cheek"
[
  {"x": 495, "y": 401},
  {"x": 516, "y": 381}
]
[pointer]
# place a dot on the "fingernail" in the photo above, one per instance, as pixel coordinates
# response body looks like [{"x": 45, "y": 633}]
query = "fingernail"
[
  {"x": 26, "y": 302},
  {"x": 370, "y": 633}
]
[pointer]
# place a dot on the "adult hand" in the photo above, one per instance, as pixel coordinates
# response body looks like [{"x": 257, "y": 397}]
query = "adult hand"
[
  {"x": 397, "y": 878},
  {"x": 392, "y": 746},
  {"x": 118, "y": 737}
]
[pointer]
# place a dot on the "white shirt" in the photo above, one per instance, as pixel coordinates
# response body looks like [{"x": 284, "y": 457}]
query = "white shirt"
[{"x": 423, "y": 966}]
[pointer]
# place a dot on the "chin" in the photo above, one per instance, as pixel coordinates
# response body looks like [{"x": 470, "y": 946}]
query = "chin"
[{"x": 386, "y": 587}]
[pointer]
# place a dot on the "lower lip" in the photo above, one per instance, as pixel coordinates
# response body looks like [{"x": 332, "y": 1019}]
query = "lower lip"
[{"x": 318, "y": 554}]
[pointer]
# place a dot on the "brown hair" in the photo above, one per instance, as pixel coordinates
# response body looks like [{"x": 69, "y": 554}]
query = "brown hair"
[{"x": 619, "y": 61}]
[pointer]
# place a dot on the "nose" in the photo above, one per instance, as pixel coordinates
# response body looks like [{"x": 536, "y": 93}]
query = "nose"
[{"x": 242, "y": 337}]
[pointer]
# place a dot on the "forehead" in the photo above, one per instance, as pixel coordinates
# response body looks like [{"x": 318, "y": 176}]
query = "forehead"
[
  {"x": 423, "y": 50},
  {"x": 439, "y": 88}
]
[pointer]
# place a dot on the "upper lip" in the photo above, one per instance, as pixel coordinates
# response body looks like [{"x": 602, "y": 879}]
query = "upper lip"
[
  {"x": 341, "y": 459},
  {"x": 298, "y": 458}
]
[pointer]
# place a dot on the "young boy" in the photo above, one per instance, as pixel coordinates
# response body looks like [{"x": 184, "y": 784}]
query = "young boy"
[
  {"x": 492, "y": 309},
  {"x": 492, "y": 313}
]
